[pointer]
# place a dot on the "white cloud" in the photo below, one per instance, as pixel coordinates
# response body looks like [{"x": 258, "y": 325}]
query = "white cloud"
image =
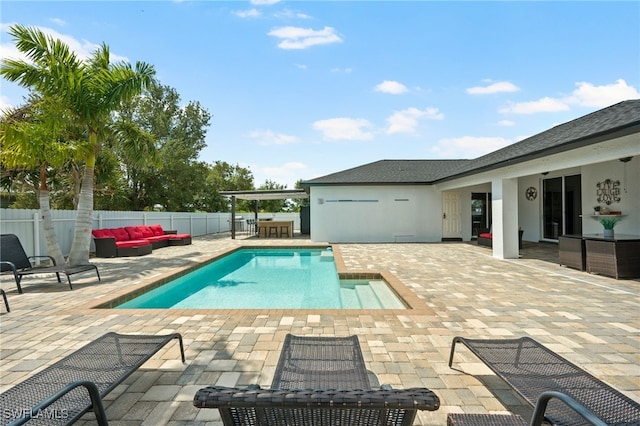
[
  {"x": 302, "y": 38},
  {"x": 268, "y": 137},
  {"x": 249, "y": 13},
  {"x": 287, "y": 174},
  {"x": 498, "y": 87},
  {"x": 545, "y": 104},
  {"x": 589, "y": 95},
  {"x": 343, "y": 70},
  {"x": 290, "y": 14},
  {"x": 344, "y": 129},
  {"x": 58, "y": 22},
  {"x": 406, "y": 121},
  {"x": 468, "y": 146},
  {"x": 391, "y": 87},
  {"x": 301, "y": 66},
  {"x": 82, "y": 48},
  {"x": 506, "y": 123},
  {"x": 5, "y": 104},
  {"x": 264, "y": 2}
]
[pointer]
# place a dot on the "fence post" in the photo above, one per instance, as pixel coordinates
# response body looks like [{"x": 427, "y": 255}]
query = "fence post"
[{"x": 36, "y": 234}]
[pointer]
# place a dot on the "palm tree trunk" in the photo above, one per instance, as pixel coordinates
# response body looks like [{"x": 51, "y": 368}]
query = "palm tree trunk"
[
  {"x": 53, "y": 248},
  {"x": 84, "y": 217}
]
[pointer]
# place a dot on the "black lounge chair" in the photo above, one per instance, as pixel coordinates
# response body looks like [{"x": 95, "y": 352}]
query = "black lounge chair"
[
  {"x": 533, "y": 371},
  {"x": 318, "y": 381},
  {"x": 13, "y": 258},
  {"x": 61, "y": 393},
  {"x": 6, "y": 301}
]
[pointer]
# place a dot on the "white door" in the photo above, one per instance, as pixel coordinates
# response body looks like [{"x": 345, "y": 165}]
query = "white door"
[{"x": 451, "y": 215}]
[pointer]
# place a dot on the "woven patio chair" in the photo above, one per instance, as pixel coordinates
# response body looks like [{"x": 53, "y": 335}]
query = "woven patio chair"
[
  {"x": 14, "y": 259},
  {"x": 61, "y": 393},
  {"x": 4, "y": 298},
  {"x": 532, "y": 370},
  {"x": 318, "y": 381}
]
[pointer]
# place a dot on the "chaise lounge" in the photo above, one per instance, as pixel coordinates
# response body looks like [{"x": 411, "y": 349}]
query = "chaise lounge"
[
  {"x": 561, "y": 392},
  {"x": 14, "y": 259},
  {"x": 318, "y": 381},
  {"x": 55, "y": 395}
]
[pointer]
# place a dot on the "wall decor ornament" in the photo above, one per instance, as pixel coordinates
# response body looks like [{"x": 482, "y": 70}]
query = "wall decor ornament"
[
  {"x": 608, "y": 191},
  {"x": 531, "y": 193}
]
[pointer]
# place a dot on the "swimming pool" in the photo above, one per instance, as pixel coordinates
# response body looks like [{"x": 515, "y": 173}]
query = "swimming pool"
[{"x": 273, "y": 278}]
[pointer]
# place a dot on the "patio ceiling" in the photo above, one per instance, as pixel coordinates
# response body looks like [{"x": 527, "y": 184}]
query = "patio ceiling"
[{"x": 276, "y": 194}]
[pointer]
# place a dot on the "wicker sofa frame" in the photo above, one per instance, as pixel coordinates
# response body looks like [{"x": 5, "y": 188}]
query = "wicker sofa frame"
[
  {"x": 318, "y": 381},
  {"x": 532, "y": 370},
  {"x": 14, "y": 259},
  {"x": 55, "y": 395}
]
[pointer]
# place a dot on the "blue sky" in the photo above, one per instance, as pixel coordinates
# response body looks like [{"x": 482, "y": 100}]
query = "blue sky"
[{"x": 298, "y": 90}]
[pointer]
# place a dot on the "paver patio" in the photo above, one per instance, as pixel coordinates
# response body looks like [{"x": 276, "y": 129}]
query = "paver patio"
[{"x": 591, "y": 320}]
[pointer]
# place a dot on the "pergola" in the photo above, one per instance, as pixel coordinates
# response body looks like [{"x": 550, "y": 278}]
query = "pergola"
[{"x": 256, "y": 196}]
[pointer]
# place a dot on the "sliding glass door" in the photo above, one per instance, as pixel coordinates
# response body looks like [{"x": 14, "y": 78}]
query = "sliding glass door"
[{"x": 561, "y": 206}]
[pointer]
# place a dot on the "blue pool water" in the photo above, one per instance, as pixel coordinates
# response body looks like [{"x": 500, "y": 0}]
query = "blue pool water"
[{"x": 268, "y": 279}]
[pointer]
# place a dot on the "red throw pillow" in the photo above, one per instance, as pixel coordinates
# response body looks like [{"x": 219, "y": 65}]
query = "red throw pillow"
[
  {"x": 146, "y": 231},
  {"x": 134, "y": 232},
  {"x": 157, "y": 229},
  {"x": 120, "y": 234},
  {"x": 102, "y": 233}
]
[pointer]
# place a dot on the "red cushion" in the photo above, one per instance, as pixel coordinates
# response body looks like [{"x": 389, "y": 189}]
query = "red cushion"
[
  {"x": 120, "y": 234},
  {"x": 132, "y": 243},
  {"x": 157, "y": 229},
  {"x": 102, "y": 233},
  {"x": 146, "y": 231},
  {"x": 485, "y": 235},
  {"x": 134, "y": 233},
  {"x": 180, "y": 236}
]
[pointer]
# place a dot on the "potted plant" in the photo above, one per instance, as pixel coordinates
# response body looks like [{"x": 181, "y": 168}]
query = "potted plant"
[
  {"x": 609, "y": 223},
  {"x": 596, "y": 210}
]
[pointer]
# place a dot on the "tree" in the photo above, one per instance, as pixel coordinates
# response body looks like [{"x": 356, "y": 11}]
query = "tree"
[
  {"x": 90, "y": 91},
  {"x": 176, "y": 180},
  {"x": 274, "y": 205},
  {"x": 30, "y": 137}
]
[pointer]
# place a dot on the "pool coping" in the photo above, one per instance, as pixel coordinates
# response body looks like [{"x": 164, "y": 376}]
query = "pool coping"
[{"x": 415, "y": 305}]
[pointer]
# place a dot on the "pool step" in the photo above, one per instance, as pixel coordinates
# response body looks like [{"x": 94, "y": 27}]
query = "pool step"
[
  {"x": 349, "y": 297},
  {"x": 368, "y": 295},
  {"x": 387, "y": 297}
]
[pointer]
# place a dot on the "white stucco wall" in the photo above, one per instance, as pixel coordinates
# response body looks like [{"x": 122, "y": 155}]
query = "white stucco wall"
[
  {"x": 629, "y": 176},
  {"x": 376, "y": 214}
]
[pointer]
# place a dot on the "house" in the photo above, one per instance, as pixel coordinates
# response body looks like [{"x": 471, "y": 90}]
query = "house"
[{"x": 547, "y": 185}]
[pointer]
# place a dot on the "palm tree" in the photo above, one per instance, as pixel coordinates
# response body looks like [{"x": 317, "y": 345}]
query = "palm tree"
[
  {"x": 91, "y": 91},
  {"x": 29, "y": 137}
]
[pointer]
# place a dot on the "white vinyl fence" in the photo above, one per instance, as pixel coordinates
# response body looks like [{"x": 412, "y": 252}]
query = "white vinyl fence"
[{"x": 27, "y": 224}]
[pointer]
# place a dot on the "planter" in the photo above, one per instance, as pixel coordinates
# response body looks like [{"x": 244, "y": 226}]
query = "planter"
[{"x": 608, "y": 233}]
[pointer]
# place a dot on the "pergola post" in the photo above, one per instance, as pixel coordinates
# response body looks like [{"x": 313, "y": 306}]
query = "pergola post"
[{"x": 233, "y": 217}]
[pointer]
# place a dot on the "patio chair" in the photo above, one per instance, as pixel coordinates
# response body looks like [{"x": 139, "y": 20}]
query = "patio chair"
[
  {"x": 6, "y": 301},
  {"x": 318, "y": 381},
  {"x": 61, "y": 393},
  {"x": 13, "y": 258}
]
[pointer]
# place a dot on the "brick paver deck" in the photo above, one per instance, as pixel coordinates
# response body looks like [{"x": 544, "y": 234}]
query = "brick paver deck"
[{"x": 593, "y": 321}]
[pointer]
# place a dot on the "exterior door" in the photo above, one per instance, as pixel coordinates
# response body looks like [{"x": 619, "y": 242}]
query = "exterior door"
[{"x": 451, "y": 216}]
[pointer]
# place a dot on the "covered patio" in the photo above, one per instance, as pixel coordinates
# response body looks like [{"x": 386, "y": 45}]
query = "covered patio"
[{"x": 256, "y": 197}]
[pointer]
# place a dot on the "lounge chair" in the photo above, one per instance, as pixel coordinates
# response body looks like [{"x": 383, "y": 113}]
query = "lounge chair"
[
  {"x": 13, "y": 258},
  {"x": 55, "y": 395},
  {"x": 318, "y": 381},
  {"x": 531, "y": 369},
  {"x": 6, "y": 301}
]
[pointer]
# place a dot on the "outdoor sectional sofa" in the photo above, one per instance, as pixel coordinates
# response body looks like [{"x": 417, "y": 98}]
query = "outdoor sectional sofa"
[{"x": 135, "y": 240}]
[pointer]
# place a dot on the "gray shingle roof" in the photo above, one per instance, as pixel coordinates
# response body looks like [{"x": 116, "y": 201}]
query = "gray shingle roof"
[
  {"x": 391, "y": 172},
  {"x": 582, "y": 131}
]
